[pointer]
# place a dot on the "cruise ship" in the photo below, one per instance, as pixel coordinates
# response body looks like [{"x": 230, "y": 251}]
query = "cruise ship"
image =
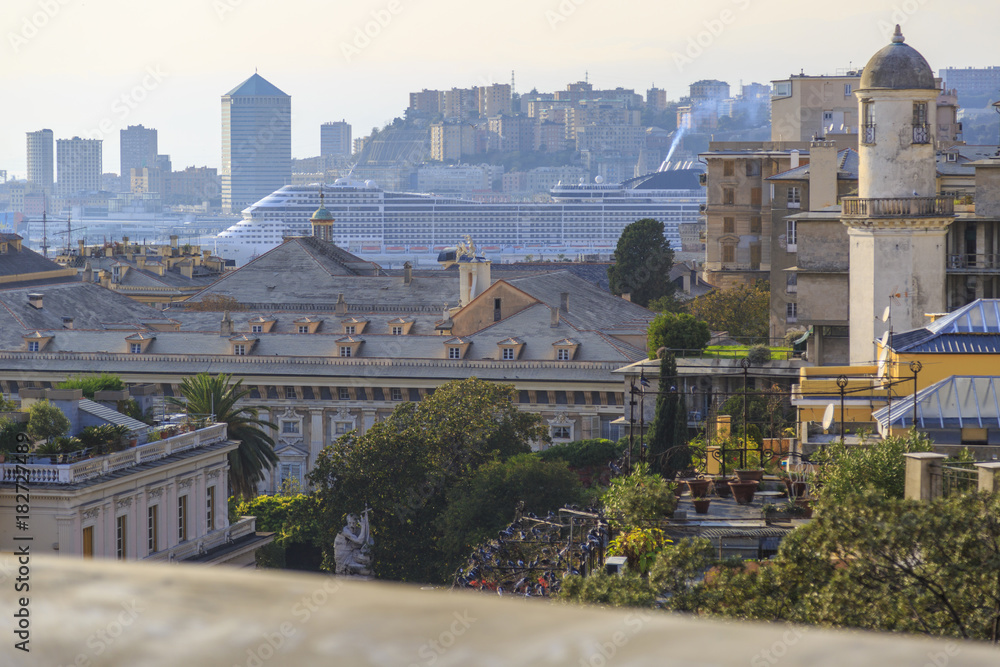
[{"x": 376, "y": 224}]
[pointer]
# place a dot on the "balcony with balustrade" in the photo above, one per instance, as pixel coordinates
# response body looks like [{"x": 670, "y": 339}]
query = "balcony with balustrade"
[{"x": 898, "y": 207}]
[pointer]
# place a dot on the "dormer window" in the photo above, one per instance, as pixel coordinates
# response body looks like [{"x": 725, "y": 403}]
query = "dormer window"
[
  {"x": 562, "y": 355},
  {"x": 261, "y": 324},
  {"x": 565, "y": 349},
  {"x": 243, "y": 344},
  {"x": 397, "y": 331},
  {"x": 401, "y": 326},
  {"x": 308, "y": 324},
  {"x": 348, "y": 346},
  {"x": 256, "y": 328},
  {"x": 303, "y": 328},
  {"x": 33, "y": 346},
  {"x": 240, "y": 350},
  {"x": 510, "y": 348},
  {"x": 135, "y": 348},
  {"x": 139, "y": 342},
  {"x": 453, "y": 352},
  {"x": 354, "y": 325},
  {"x": 350, "y": 329},
  {"x": 36, "y": 341},
  {"x": 345, "y": 350},
  {"x": 508, "y": 353}
]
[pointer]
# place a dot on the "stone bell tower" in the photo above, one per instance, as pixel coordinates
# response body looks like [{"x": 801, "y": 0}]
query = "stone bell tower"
[{"x": 896, "y": 224}]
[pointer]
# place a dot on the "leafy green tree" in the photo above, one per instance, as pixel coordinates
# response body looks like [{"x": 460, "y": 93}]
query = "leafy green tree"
[
  {"x": 667, "y": 304},
  {"x": 91, "y": 384},
  {"x": 9, "y": 430},
  {"x": 404, "y": 466},
  {"x": 663, "y": 431},
  {"x": 879, "y": 465},
  {"x": 294, "y": 518},
  {"x": 204, "y": 395},
  {"x": 483, "y": 504},
  {"x": 583, "y": 453},
  {"x": 744, "y": 311},
  {"x": 638, "y": 498},
  {"x": 768, "y": 412},
  {"x": 617, "y": 590},
  {"x": 643, "y": 259},
  {"x": 677, "y": 331},
  {"x": 46, "y": 421}
]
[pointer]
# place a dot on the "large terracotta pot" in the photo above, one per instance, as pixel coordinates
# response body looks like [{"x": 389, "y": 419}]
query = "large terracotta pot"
[
  {"x": 743, "y": 491},
  {"x": 701, "y": 505},
  {"x": 698, "y": 487},
  {"x": 750, "y": 475}
]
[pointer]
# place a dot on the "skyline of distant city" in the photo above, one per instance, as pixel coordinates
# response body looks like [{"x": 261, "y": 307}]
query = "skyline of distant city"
[{"x": 139, "y": 72}]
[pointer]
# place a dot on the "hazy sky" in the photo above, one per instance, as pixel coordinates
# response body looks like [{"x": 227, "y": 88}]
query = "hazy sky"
[{"x": 92, "y": 67}]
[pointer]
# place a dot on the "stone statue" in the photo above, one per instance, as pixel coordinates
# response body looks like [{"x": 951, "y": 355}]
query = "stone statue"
[{"x": 352, "y": 545}]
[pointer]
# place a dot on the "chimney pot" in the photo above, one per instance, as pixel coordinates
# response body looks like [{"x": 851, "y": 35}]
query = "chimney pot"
[
  {"x": 35, "y": 300},
  {"x": 67, "y": 322},
  {"x": 407, "y": 273},
  {"x": 564, "y": 302}
]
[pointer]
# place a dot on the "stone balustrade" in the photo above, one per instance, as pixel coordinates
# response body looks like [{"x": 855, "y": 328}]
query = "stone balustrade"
[
  {"x": 73, "y": 473},
  {"x": 897, "y": 207}
]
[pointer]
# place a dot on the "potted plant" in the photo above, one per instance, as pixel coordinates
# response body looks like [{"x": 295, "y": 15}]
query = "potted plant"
[
  {"x": 701, "y": 505},
  {"x": 698, "y": 486},
  {"x": 722, "y": 486},
  {"x": 743, "y": 491}
]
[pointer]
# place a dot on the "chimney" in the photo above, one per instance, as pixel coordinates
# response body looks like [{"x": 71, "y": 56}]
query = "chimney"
[
  {"x": 627, "y": 296},
  {"x": 555, "y": 317},
  {"x": 67, "y": 322},
  {"x": 187, "y": 269},
  {"x": 686, "y": 282},
  {"x": 173, "y": 241},
  {"x": 795, "y": 159},
  {"x": 341, "y": 304},
  {"x": 407, "y": 273},
  {"x": 35, "y": 300},
  {"x": 226, "y": 327},
  {"x": 81, "y": 245},
  {"x": 88, "y": 273},
  {"x": 564, "y": 302}
]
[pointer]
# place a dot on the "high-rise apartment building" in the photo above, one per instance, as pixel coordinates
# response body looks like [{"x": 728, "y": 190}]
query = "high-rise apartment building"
[
  {"x": 256, "y": 142},
  {"x": 972, "y": 81},
  {"x": 138, "y": 150},
  {"x": 78, "y": 165},
  {"x": 40, "y": 163},
  {"x": 335, "y": 138},
  {"x": 494, "y": 100}
]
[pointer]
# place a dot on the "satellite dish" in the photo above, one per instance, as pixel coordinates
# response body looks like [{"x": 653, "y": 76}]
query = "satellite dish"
[
  {"x": 885, "y": 339},
  {"x": 882, "y": 357},
  {"x": 828, "y": 417},
  {"x": 885, "y": 314}
]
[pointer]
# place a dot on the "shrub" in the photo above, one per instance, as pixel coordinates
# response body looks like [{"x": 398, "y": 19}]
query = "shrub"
[
  {"x": 583, "y": 453},
  {"x": 759, "y": 355},
  {"x": 881, "y": 466},
  {"x": 638, "y": 498}
]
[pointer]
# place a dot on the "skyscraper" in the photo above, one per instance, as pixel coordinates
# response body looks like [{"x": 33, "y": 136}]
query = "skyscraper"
[
  {"x": 256, "y": 142},
  {"x": 40, "y": 163},
  {"x": 78, "y": 165},
  {"x": 335, "y": 138},
  {"x": 138, "y": 150}
]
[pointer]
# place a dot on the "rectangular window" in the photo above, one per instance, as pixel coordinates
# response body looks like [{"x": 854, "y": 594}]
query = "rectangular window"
[
  {"x": 847, "y": 90},
  {"x": 33, "y": 346},
  {"x": 290, "y": 392},
  {"x": 753, "y": 167},
  {"x": 340, "y": 428},
  {"x": 454, "y": 353},
  {"x": 559, "y": 432},
  {"x": 791, "y": 282},
  {"x": 496, "y": 309},
  {"x": 755, "y": 196},
  {"x": 754, "y": 256},
  {"x": 397, "y": 331},
  {"x": 794, "y": 197},
  {"x": 791, "y": 312},
  {"x": 728, "y": 254},
  {"x": 791, "y": 236},
  {"x": 350, "y": 330},
  {"x": 344, "y": 394},
  {"x": 121, "y": 524},
  {"x": 728, "y": 196},
  {"x": 182, "y": 527},
  {"x": 921, "y": 130},
  {"x": 135, "y": 348},
  {"x": 303, "y": 328},
  {"x": 755, "y": 227},
  {"x": 240, "y": 350},
  {"x": 562, "y": 355},
  {"x": 289, "y": 475},
  {"x": 396, "y": 394},
  {"x": 728, "y": 168},
  {"x": 867, "y": 133},
  {"x": 257, "y": 328},
  {"x": 729, "y": 225},
  {"x": 291, "y": 427},
  {"x": 153, "y": 528},
  {"x": 345, "y": 351},
  {"x": 88, "y": 542},
  {"x": 210, "y": 507},
  {"x": 508, "y": 353}
]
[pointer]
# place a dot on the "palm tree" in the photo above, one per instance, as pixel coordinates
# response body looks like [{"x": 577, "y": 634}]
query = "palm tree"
[{"x": 214, "y": 395}]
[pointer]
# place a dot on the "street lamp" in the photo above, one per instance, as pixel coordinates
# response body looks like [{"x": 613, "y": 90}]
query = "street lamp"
[
  {"x": 842, "y": 383},
  {"x": 915, "y": 367},
  {"x": 745, "y": 363}
]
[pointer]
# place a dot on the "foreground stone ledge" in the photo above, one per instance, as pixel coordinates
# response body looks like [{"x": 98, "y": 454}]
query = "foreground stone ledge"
[{"x": 136, "y": 615}]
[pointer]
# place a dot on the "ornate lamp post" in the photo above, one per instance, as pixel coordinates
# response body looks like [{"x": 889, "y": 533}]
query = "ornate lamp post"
[
  {"x": 842, "y": 383},
  {"x": 745, "y": 364},
  {"x": 915, "y": 367}
]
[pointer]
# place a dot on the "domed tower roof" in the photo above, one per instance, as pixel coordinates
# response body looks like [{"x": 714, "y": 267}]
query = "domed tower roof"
[
  {"x": 321, "y": 214},
  {"x": 898, "y": 67}
]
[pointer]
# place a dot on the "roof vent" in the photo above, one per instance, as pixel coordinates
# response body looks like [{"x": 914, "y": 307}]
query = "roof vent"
[
  {"x": 67, "y": 322},
  {"x": 35, "y": 300}
]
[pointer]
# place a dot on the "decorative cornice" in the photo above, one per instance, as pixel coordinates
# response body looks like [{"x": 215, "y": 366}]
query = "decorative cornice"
[
  {"x": 185, "y": 483},
  {"x": 123, "y": 503},
  {"x": 155, "y": 493},
  {"x": 92, "y": 513}
]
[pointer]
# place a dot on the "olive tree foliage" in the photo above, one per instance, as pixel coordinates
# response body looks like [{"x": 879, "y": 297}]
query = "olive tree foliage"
[
  {"x": 46, "y": 421},
  {"x": 677, "y": 331},
  {"x": 403, "y": 468},
  {"x": 643, "y": 259}
]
